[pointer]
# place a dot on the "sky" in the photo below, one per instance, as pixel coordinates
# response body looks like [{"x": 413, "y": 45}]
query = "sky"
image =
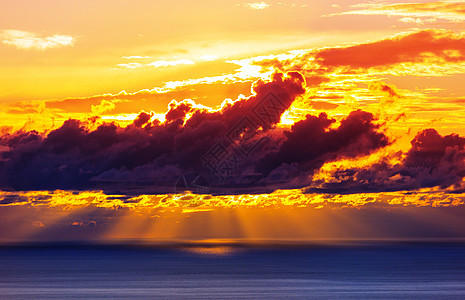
[{"x": 231, "y": 120}]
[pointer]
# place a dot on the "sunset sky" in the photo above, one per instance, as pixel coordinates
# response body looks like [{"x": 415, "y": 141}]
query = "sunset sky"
[{"x": 219, "y": 120}]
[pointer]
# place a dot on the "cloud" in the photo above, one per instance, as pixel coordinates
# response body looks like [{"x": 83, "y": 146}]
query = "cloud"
[
  {"x": 312, "y": 141},
  {"x": 238, "y": 147},
  {"x": 210, "y": 89},
  {"x": 437, "y": 51},
  {"x": 30, "y": 40},
  {"x": 432, "y": 161},
  {"x": 157, "y": 64},
  {"x": 384, "y": 88},
  {"x": 453, "y": 11},
  {"x": 136, "y": 57},
  {"x": 72, "y": 215},
  {"x": 257, "y": 5},
  {"x": 103, "y": 107},
  {"x": 413, "y": 48}
]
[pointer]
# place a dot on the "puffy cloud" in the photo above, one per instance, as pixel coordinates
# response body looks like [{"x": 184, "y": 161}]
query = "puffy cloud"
[
  {"x": 237, "y": 147},
  {"x": 312, "y": 141},
  {"x": 103, "y": 107},
  {"x": 178, "y": 111},
  {"x": 142, "y": 119},
  {"x": 145, "y": 99}
]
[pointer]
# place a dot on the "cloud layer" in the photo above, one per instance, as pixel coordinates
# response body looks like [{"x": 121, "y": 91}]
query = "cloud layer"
[
  {"x": 238, "y": 148},
  {"x": 420, "y": 13},
  {"x": 415, "y": 47}
]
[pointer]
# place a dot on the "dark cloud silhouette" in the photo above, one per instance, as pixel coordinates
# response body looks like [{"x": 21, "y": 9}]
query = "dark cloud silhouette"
[
  {"x": 311, "y": 142},
  {"x": 432, "y": 161},
  {"x": 142, "y": 119},
  {"x": 235, "y": 149},
  {"x": 238, "y": 148}
]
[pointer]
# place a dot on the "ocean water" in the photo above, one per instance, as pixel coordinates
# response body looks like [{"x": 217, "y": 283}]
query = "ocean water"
[{"x": 359, "y": 271}]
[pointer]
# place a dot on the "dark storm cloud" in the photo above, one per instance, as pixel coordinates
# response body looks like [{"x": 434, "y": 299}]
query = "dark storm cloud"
[
  {"x": 238, "y": 148},
  {"x": 432, "y": 161},
  {"x": 311, "y": 142}
]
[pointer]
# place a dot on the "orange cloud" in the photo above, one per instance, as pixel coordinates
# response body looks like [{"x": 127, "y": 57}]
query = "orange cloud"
[
  {"x": 430, "y": 47},
  {"x": 189, "y": 202},
  {"x": 337, "y": 70},
  {"x": 453, "y": 11},
  {"x": 415, "y": 47}
]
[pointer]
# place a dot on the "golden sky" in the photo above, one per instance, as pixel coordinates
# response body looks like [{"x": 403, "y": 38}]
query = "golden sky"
[{"x": 109, "y": 105}]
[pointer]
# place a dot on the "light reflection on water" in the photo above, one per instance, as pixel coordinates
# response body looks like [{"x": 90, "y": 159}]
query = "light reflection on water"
[{"x": 212, "y": 251}]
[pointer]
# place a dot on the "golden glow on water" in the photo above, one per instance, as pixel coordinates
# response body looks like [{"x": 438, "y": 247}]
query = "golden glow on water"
[{"x": 211, "y": 251}]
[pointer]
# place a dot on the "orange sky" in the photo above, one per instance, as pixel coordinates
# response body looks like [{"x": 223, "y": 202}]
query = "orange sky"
[
  {"x": 55, "y": 51},
  {"x": 402, "y": 62}
]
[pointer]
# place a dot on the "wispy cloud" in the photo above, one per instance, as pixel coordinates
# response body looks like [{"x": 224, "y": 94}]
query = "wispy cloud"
[
  {"x": 136, "y": 57},
  {"x": 30, "y": 40},
  {"x": 452, "y": 11},
  {"x": 158, "y": 63},
  {"x": 257, "y": 5}
]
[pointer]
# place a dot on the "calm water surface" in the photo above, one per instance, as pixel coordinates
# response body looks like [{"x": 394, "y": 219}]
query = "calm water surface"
[{"x": 371, "y": 271}]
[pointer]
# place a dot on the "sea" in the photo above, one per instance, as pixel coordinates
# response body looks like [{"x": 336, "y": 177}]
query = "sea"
[{"x": 353, "y": 270}]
